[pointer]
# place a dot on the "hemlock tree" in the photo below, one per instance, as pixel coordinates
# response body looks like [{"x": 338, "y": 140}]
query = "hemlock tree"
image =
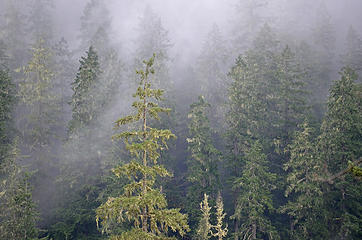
[
  {"x": 141, "y": 204},
  {"x": 255, "y": 199},
  {"x": 204, "y": 160},
  {"x": 204, "y": 229},
  {"x": 339, "y": 144},
  {"x": 304, "y": 191}
]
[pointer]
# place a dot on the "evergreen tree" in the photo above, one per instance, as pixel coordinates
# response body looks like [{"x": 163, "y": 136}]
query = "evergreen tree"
[
  {"x": 141, "y": 204},
  {"x": 220, "y": 231},
  {"x": 340, "y": 144},
  {"x": 39, "y": 111},
  {"x": 18, "y": 213},
  {"x": 291, "y": 96},
  {"x": 13, "y": 30},
  {"x": 83, "y": 103},
  {"x": 7, "y": 100},
  {"x": 204, "y": 229},
  {"x": 255, "y": 199},
  {"x": 203, "y": 164},
  {"x": 95, "y": 27},
  {"x": 40, "y": 22},
  {"x": 304, "y": 191},
  {"x": 247, "y": 23}
]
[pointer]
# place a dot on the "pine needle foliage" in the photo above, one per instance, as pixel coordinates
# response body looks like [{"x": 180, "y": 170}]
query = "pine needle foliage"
[{"x": 142, "y": 205}]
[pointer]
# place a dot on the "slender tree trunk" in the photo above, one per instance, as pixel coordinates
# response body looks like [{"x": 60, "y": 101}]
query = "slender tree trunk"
[
  {"x": 236, "y": 227},
  {"x": 144, "y": 189},
  {"x": 254, "y": 231}
]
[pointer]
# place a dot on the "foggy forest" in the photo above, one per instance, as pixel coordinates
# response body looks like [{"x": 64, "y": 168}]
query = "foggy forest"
[{"x": 180, "y": 119}]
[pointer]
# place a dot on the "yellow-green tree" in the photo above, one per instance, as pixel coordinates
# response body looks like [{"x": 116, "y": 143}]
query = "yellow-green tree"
[{"x": 142, "y": 204}]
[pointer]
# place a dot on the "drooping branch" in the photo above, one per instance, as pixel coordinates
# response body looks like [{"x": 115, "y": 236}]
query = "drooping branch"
[{"x": 350, "y": 168}]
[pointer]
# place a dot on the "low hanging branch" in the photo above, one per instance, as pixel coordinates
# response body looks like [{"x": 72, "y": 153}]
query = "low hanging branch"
[{"x": 353, "y": 167}]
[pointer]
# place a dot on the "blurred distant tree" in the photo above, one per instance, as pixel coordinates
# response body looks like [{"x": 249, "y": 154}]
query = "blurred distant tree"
[
  {"x": 248, "y": 22},
  {"x": 153, "y": 38},
  {"x": 353, "y": 51},
  {"x": 324, "y": 38},
  {"x": 40, "y": 22},
  {"x": 13, "y": 30},
  {"x": 211, "y": 69},
  {"x": 95, "y": 27},
  {"x": 142, "y": 205}
]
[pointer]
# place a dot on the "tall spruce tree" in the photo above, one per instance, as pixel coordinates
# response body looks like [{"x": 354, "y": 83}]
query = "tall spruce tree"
[
  {"x": 255, "y": 198},
  {"x": 141, "y": 204},
  {"x": 204, "y": 160}
]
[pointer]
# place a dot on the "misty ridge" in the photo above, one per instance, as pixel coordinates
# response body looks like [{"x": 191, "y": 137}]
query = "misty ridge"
[{"x": 204, "y": 119}]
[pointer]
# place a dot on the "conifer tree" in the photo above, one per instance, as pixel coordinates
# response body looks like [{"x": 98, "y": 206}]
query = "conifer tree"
[
  {"x": 83, "y": 102},
  {"x": 7, "y": 100},
  {"x": 204, "y": 229},
  {"x": 352, "y": 56},
  {"x": 18, "y": 213},
  {"x": 153, "y": 38},
  {"x": 339, "y": 144},
  {"x": 39, "y": 111},
  {"x": 220, "y": 230},
  {"x": 204, "y": 159},
  {"x": 304, "y": 191},
  {"x": 255, "y": 199},
  {"x": 141, "y": 204},
  {"x": 211, "y": 68},
  {"x": 36, "y": 94}
]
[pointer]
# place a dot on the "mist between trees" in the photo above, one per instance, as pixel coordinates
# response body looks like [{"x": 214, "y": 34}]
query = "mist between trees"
[{"x": 207, "y": 119}]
